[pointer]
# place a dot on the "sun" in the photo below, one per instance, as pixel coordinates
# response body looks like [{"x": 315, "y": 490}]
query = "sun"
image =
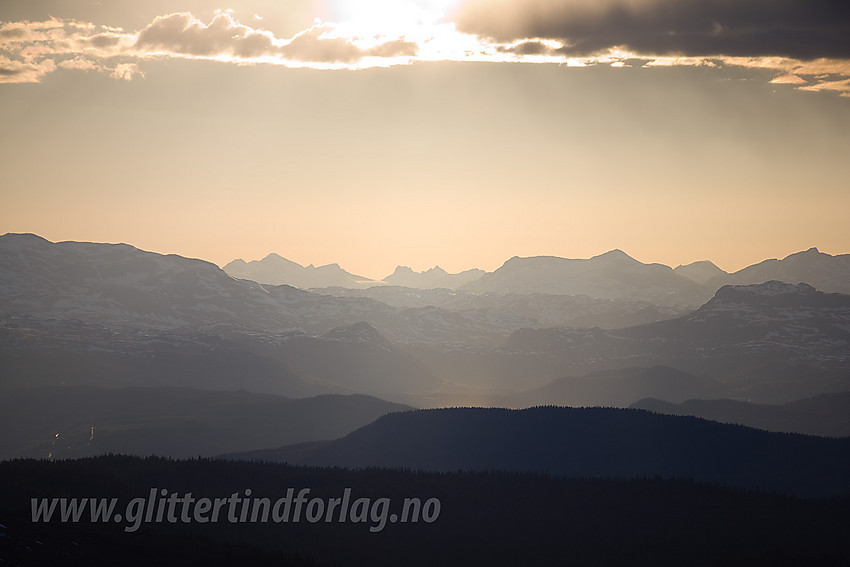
[{"x": 389, "y": 17}]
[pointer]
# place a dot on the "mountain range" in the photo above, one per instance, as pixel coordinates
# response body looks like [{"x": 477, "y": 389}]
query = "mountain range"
[
  {"x": 121, "y": 286},
  {"x": 612, "y": 275},
  {"x": 631, "y": 385},
  {"x": 700, "y": 272},
  {"x": 276, "y": 270},
  {"x": 112, "y": 315},
  {"x": 116, "y": 315}
]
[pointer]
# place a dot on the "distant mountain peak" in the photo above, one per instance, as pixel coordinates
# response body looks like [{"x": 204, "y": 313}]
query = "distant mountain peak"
[
  {"x": 22, "y": 241},
  {"x": 612, "y": 275},
  {"x": 433, "y": 278},
  {"x": 700, "y": 272},
  {"x": 436, "y": 270},
  {"x": 811, "y": 252},
  {"x": 277, "y": 259},
  {"x": 825, "y": 272},
  {"x": 615, "y": 254},
  {"x": 24, "y": 236},
  {"x": 700, "y": 263},
  {"x": 401, "y": 270}
]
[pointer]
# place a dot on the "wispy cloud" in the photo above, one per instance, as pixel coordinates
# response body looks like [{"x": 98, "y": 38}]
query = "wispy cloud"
[
  {"x": 841, "y": 86},
  {"x": 12, "y": 71},
  {"x": 806, "y": 44}
]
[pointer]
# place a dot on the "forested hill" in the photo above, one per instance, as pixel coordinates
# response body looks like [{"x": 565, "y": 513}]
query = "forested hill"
[{"x": 485, "y": 518}]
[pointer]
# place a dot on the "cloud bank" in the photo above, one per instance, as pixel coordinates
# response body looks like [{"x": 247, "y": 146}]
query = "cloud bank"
[
  {"x": 805, "y": 43},
  {"x": 224, "y": 38},
  {"x": 30, "y": 50}
]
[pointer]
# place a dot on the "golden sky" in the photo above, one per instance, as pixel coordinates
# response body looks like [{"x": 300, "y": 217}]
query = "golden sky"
[{"x": 420, "y": 132}]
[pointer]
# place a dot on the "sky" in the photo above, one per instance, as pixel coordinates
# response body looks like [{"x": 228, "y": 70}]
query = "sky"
[{"x": 459, "y": 133}]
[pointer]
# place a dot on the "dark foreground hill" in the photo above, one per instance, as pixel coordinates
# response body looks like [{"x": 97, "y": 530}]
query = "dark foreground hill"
[
  {"x": 68, "y": 422},
  {"x": 491, "y": 519},
  {"x": 587, "y": 442}
]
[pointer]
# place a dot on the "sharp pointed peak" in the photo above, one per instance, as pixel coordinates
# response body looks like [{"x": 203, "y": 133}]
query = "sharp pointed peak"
[
  {"x": 435, "y": 270},
  {"x": 813, "y": 251}
]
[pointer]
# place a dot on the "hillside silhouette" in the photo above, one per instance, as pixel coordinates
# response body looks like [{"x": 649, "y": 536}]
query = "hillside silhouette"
[{"x": 586, "y": 442}]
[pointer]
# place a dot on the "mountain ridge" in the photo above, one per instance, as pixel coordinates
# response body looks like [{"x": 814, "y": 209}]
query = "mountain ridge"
[
  {"x": 434, "y": 278},
  {"x": 612, "y": 275},
  {"x": 826, "y": 415},
  {"x": 824, "y": 271}
]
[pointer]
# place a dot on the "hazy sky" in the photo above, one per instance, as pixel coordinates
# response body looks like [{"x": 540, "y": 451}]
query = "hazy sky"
[{"x": 381, "y": 132}]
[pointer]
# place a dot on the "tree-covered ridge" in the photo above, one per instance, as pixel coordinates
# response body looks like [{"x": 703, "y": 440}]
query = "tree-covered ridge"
[{"x": 487, "y": 518}]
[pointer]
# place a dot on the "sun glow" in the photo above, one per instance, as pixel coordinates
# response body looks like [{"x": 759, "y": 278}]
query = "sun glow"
[
  {"x": 389, "y": 17},
  {"x": 425, "y": 23}
]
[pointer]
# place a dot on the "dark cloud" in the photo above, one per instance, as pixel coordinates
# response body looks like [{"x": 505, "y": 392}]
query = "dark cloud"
[
  {"x": 527, "y": 48},
  {"x": 12, "y": 33},
  {"x": 397, "y": 48},
  {"x": 801, "y": 29},
  {"x": 104, "y": 40}
]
